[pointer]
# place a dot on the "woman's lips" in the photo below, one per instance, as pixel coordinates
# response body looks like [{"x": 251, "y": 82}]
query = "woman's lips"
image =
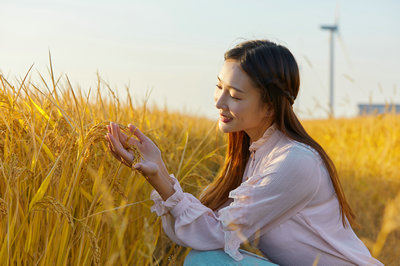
[{"x": 225, "y": 119}]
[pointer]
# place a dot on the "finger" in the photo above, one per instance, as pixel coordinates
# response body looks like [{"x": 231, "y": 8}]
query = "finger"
[
  {"x": 127, "y": 141},
  {"x": 135, "y": 130},
  {"x": 129, "y": 164},
  {"x": 116, "y": 145},
  {"x": 139, "y": 168},
  {"x": 114, "y": 154},
  {"x": 119, "y": 158},
  {"x": 120, "y": 150},
  {"x": 112, "y": 149},
  {"x": 114, "y": 130},
  {"x": 108, "y": 142},
  {"x": 122, "y": 138}
]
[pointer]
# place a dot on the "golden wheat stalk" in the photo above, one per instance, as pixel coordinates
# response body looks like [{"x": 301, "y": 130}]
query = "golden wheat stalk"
[
  {"x": 50, "y": 203},
  {"x": 3, "y": 208}
]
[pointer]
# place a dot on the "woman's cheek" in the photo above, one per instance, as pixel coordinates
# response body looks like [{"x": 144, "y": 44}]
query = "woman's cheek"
[{"x": 238, "y": 109}]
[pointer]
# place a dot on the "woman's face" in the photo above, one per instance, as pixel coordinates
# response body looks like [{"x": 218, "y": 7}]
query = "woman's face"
[{"x": 239, "y": 103}]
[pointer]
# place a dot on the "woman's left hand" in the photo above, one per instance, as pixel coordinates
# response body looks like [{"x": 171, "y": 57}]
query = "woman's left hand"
[{"x": 118, "y": 142}]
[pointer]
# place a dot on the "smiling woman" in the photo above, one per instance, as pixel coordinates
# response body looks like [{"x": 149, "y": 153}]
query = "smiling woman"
[
  {"x": 277, "y": 189},
  {"x": 246, "y": 113}
]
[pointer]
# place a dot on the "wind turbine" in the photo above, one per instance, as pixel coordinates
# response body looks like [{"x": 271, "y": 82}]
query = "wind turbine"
[{"x": 333, "y": 29}]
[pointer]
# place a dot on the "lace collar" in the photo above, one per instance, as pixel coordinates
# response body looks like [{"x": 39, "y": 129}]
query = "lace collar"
[{"x": 267, "y": 134}]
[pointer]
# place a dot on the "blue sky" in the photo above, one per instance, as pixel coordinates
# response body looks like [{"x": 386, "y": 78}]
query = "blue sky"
[{"x": 175, "y": 48}]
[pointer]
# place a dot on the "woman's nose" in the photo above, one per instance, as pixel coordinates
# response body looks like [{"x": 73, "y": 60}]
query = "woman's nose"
[{"x": 220, "y": 101}]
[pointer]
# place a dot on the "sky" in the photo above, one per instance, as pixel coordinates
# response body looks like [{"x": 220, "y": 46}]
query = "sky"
[{"x": 173, "y": 50}]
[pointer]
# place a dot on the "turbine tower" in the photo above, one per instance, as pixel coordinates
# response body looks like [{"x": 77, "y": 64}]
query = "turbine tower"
[{"x": 333, "y": 29}]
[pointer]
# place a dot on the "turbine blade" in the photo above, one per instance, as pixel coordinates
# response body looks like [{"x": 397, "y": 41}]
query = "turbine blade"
[
  {"x": 337, "y": 11},
  {"x": 344, "y": 49}
]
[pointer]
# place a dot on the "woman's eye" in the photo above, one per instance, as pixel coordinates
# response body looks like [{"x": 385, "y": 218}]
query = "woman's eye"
[{"x": 219, "y": 87}]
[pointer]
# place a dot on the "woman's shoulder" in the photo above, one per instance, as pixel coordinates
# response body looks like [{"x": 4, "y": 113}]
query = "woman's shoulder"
[{"x": 287, "y": 149}]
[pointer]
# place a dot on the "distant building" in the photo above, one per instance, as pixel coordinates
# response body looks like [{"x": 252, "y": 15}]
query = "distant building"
[{"x": 369, "y": 109}]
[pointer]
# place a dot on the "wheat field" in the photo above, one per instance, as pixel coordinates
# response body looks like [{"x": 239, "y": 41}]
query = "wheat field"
[{"x": 65, "y": 200}]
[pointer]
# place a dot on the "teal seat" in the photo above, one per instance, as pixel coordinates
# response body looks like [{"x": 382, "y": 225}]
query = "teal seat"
[{"x": 219, "y": 257}]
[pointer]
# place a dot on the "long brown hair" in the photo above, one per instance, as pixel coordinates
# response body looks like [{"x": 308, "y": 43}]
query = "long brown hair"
[{"x": 273, "y": 69}]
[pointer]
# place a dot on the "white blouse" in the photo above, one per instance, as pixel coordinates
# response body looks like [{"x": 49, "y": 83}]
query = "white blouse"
[{"x": 286, "y": 206}]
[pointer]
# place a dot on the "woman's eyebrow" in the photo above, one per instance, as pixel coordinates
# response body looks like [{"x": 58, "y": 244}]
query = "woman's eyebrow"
[{"x": 230, "y": 86}]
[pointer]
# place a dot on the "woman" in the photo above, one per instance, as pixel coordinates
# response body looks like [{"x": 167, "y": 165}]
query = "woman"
[{"x": 277, "y": 187}]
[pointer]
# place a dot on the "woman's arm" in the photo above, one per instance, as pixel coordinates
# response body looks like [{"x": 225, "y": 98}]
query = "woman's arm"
[
  {"x": 187, "y": 221},
  {"x": 265, "y": 200},
  {"x": 162, "y": 184}
]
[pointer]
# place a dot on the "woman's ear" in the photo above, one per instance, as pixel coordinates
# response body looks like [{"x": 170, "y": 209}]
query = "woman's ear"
[{"x": 269, "y": 110}]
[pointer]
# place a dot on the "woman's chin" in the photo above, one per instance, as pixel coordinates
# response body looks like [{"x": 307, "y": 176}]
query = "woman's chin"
[{"x": 224, "y": 128}]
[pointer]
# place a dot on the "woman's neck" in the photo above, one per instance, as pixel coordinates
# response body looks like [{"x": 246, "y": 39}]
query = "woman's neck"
[{"x": 256, "y": 133}]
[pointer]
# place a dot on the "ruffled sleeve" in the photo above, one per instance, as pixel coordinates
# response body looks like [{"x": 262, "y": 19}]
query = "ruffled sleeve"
[
  {"x": 162, "y": 207},
  {"x": 187, "y": 221}
]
